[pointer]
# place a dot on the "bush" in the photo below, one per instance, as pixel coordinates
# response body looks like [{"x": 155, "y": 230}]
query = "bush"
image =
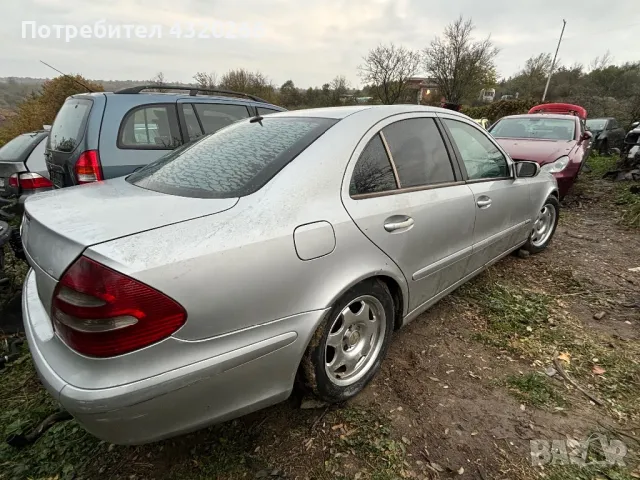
[
  {"x": 41, "y": 108},
  {"x": 496, "y": 110}
]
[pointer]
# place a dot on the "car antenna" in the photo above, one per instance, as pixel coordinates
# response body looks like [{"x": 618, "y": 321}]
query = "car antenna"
[
  {"x": 68, "y": 76},
  {"x": 258, "y": 118}
]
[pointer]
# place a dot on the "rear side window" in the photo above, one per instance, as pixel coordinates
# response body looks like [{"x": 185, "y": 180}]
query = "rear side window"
[
  {"x": 150, "y": 127},
  {"x": 266, "y": 111},
  {"x": 418, "y": 152},
  {"x": 233, "y": 162},
  {"x": 36, "y": 161},
  {"x": 193, "y": 126},
  {"x": 214, "y": 116},
  {"x": 373, "y": 172},
  {"x": 68, "y": 127},
  {"x": 13, "y": 150}
]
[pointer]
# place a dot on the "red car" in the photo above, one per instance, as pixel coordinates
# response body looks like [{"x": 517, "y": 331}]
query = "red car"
[{"x": 553, "y": 135}]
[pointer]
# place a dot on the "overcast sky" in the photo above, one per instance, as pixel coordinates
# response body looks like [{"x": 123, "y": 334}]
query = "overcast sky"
[{"x": 309, "y": 41}]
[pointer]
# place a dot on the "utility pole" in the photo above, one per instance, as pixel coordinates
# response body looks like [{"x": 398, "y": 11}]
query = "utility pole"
[{"x": 553, "y": 64}]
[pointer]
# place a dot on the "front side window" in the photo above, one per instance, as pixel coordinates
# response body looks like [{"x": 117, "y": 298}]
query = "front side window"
[
  {"x": 151, "y": 127},
  {"x": 481, "y": 157},
  {"x": 418, "y": 152},
  {"x": 373, "y": 172},
  {"x": 232, "y": 162},
  {"x": 214, "y": 116},
  {"x": 613, "y": 124}
]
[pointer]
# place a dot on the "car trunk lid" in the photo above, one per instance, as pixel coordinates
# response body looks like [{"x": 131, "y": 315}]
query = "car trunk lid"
[{"x": 58, "y": 225}]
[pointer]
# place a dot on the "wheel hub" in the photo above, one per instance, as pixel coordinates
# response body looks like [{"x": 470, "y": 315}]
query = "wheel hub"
[{"x": 353, "y": 338}]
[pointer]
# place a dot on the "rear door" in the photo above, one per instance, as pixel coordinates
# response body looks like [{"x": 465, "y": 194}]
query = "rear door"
[
  {"x": 407, "y": 196},
  {"x": 202, "y": 117},
  {"x": 501, "y": 200}
]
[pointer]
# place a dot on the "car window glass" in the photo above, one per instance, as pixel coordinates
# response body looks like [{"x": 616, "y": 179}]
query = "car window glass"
[
  {"x": 14, "y": 149},
  {"x": 613, "y": 124},
  {"x": 233, "y": 162},
  {"x": 36, "y": 161},
  {"x": 418, "y": 152},
  {"x": 215, "y": 116},
  {"x": 68, "y": 127},
  {"x": 150, "y": 127},
  {"x": 373, "y": 172},
  {"x": 481, "y": 157},
  {"x": 193, "y": 126},
  {"x": 265, "y": 111}
]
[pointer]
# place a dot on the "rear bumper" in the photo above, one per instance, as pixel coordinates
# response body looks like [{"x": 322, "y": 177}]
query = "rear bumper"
[{"x": 182, "y": 399}]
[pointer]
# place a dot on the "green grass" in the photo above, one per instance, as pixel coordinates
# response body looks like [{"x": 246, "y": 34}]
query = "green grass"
[
  {"x": 536, "y": 390},
  {"x": 630, "y": 203},
  {"x": 588, "y": 473},
  {"x": 600, "y": 165}
]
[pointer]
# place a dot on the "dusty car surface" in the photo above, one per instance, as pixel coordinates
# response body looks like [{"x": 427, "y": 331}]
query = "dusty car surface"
[
  {"x": 196, "y": 289},
  {"x": 558, "y": 142}
]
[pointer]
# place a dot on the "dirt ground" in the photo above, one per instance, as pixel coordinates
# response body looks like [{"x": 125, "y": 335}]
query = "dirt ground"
[{"x": 462, "y": 392}]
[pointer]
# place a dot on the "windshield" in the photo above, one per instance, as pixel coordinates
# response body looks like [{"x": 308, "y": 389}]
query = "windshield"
[
  {"x": 16, "y": 147},
  {"x": 539, "y": 128},
  {"x": 234, "y": 161},
  {"x": 596, "y": 124}
]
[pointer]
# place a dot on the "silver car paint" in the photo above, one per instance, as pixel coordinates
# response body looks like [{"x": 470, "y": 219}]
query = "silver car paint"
[{"x": 236, "y": 267}]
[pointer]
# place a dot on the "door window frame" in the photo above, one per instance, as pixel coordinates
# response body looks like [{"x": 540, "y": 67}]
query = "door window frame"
[
  {"x": 458, "y": 155},
  {"x": 377, "y": 130}
]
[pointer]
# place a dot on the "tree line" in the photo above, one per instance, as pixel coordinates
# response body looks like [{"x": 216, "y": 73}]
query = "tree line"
[{"x": 456, "y": 62}]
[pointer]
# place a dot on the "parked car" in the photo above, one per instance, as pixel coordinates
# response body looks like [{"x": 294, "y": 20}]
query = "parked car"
[
  {"x": 558, "y": 141},
  {"x": 97, "y": 136},
  {"x": 607, "y": 133},
  {"x": 196, "y": 289},
  {"x": 23, "y": 171}
]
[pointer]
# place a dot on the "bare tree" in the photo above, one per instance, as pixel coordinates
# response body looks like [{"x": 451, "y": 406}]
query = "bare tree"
[
  {"x": 460, "y": 65},
  {"x": 255, "y": 83},
  {"x": 538, "y": 66},
  {"x": 386, "y": 69},
  {"x": 339, "y": 87},
  {"x": 159, "y": 81},
  {"x": 601, "y": 62},
  {"x": 206, "y": 80}
]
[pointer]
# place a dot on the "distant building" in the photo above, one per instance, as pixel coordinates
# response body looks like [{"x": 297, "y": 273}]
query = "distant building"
[{"x": 426, "y": 88}]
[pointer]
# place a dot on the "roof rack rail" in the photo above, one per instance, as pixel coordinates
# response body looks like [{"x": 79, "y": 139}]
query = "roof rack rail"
[{"x": 193, "y": 91}]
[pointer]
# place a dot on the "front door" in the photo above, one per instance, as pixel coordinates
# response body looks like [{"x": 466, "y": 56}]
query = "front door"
[
  {"x": 501, "y": 200},
  {"x": 406, "y": 197}
]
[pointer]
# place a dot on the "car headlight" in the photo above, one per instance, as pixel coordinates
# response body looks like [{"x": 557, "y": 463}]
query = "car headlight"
[{"x": 557, "y": 166}]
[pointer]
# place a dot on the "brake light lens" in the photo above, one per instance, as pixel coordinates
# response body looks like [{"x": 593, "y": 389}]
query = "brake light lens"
[
  {"x": 99, "y": 312},
  {"x": 88, "y": 168},
  {"x": 28, "y": 181}
]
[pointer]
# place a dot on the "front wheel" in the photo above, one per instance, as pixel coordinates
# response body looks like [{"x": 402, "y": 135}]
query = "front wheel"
[
  {"x": 347, "y": 349},
  {"x": 544, "y": 226}
]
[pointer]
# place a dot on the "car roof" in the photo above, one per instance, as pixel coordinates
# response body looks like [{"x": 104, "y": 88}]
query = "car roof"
[
  {"x": 382, "y": 111},
  {"x": 145, "y": 96}
]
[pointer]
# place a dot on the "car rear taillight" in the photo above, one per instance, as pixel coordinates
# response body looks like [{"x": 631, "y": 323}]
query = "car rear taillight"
[
  {"x": 88, "y": 168},
  {"x": 28, "y": 181},
  {"x": 99, "y": 312}
]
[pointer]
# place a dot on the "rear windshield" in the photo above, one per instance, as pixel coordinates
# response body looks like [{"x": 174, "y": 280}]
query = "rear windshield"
[
  {"x": 69, "y": 125},
  {"x": 234, "y": 161},
  {"x": 15, "y": 149}
]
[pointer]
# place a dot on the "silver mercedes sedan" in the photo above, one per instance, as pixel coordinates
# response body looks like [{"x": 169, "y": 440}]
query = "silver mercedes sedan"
[{"x": 198, "y": 288}]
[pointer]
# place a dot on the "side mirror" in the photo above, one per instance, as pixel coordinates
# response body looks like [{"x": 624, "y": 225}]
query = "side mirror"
[
  {"x": 587, "y": 135},
  {"x": 527, "y": 169}
]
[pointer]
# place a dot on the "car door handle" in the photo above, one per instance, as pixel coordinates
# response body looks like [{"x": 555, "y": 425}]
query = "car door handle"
[
  {"x": 392, "y": 226},
  {"x": 484, "y": 202}
]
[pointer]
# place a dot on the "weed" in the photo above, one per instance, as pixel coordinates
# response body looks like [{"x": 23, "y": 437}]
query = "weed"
[
  {"x": 600, "y": 165},
  {"x": 535, "y": 389}
]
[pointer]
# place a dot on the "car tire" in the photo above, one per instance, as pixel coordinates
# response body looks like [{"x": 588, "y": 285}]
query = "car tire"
[
  {"x": 361, "y": 320},
  {"x": 544, "y": 226}
]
